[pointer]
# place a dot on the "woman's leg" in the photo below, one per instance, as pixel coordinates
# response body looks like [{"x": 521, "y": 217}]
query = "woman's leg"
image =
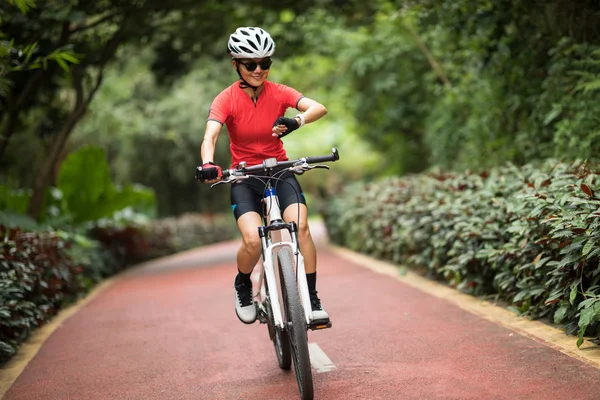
[
  {"x": 249, "y": 252},
  {"x": 246, "y": 206},
  {"x": 307, "y": 245},
  {"x": 309, "y": 252},
  {"x": 247, "y": 256}
]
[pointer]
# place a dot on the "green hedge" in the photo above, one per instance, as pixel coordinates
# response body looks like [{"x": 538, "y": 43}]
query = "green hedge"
[
  {"x": 133, "y": 244},
  {"x": 41, "y": 272},
  {"x": 525, "y": 235},
  {"x": 38, "y": 276}
]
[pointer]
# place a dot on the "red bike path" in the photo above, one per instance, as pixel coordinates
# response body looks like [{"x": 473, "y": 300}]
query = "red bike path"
[{"x": 167, "y": 330}]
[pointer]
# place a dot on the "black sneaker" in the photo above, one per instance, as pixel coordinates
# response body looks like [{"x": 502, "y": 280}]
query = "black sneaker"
[
  {"x": 318, "y": 313},
  {"x": 244, "y": 306}
]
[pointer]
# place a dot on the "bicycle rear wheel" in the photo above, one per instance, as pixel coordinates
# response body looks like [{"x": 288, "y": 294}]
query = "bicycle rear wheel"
[{"x": 296, "y": 324}]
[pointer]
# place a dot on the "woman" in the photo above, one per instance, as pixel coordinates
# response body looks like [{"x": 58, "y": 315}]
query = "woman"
[{"x": 253, "y": 109}]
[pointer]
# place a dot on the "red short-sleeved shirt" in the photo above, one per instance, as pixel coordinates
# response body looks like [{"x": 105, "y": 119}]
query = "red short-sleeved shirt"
[{"x": 250, "y": 126}]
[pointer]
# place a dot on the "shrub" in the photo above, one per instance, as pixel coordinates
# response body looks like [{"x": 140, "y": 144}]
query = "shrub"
[
  {"x": 37, "y": 276},
  {"x": 41, "y": 272},
  {"x": 192, "y": 230},
  {"x": 527, "y": 235},
  {"x": 134, "y": 243}
]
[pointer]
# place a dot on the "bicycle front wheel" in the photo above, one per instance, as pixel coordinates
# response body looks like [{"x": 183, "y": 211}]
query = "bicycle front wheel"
[
  {"x": 280, "y": 338},
  {"x": 296, "y": 324}
]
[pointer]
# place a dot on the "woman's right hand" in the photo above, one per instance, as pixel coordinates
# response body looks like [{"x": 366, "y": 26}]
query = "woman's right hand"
[{"x": 210, "y": 173}]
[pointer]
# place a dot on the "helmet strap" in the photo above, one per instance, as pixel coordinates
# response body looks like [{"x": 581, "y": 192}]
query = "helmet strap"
[{"x": 244, "y": 84}]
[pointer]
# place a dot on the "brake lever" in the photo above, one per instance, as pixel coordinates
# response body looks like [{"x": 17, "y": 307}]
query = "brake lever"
[
  {"x": 231, "y": 179},
  {"x": 219, "y": 183},
  {"x": 302, "y": 168}
]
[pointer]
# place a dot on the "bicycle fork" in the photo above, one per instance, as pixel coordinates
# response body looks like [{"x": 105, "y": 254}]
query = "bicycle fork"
[
  {"x": 271, "y": 272},
  {"x": 271, "y": 241}
]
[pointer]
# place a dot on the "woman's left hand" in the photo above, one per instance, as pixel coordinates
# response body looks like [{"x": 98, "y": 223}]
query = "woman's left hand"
[{"x": 284, "y": 126}]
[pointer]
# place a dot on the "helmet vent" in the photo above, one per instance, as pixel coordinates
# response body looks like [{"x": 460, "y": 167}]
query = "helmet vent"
[{"x": 245, "y": 49}]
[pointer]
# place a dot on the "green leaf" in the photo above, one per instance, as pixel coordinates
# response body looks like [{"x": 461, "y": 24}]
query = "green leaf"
[
  {"x": 521, "y": 295},
  {"x": 542, "y": 262},
  {"x": 24, "y": 5},
  {"x": 84, "y": 180},
  {"x": 89, "y": 193},
  {"x": 551, "y": 116},
  {"x": 573, "y": 293},
  {"x": 588, "y": 247},
  {"x": 70, "y": 57},
  {"x": 586, "y": 317},
  {"x": 559, "y": 315},
  {"x": 62, "y": 64},
  {"x": 589, "y": 86},
  {"x": 589, "y": 315}
]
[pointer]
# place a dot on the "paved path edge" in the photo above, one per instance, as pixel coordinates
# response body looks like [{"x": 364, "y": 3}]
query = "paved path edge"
[
  {"x": 536, "y": 330},
  {"x": 28, "y": 349}
]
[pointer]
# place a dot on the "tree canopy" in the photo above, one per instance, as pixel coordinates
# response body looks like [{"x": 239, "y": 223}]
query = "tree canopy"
[
  {"x": 49, "y": 102},
  {"x": 467, "y": 84}
]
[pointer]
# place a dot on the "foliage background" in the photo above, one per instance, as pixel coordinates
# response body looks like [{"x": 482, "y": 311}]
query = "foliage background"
[
  {"x": 409, "y": 85},
  {"x": 103, "y": 104},
  {"x": 527, "y": 236}
]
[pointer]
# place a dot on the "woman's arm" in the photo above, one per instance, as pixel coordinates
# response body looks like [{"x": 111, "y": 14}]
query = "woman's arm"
[
  {"x": 211, "y": 134},
  {"x": 312, "y": 110},
  {"x": 212, "y": 173}
]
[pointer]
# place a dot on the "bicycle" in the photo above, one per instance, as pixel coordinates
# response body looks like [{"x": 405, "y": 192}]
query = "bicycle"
[{"x": 286, "y": 309}]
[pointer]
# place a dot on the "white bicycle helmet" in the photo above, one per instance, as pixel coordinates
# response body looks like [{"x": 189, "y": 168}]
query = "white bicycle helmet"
[{"x": 249, "y": 42}]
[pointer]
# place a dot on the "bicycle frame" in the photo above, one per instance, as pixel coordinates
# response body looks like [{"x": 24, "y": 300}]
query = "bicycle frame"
[{"x": 271, "y": 239}]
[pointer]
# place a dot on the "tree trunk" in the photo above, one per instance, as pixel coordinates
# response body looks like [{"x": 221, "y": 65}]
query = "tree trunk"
[{"x": 44, "y": 175}]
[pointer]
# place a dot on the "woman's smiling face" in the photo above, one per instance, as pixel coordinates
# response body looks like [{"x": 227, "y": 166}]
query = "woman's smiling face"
[{"x": 256, "y": 76}]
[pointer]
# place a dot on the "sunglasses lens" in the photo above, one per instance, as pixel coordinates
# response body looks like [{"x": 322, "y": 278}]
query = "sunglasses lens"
[
  {"x": 251, "y": 65},
  {"x": 266, "y": 64}
]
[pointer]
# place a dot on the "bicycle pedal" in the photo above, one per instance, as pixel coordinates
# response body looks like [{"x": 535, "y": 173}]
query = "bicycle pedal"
[
  {"x": 261, "y": 313},
  {"x": 320, "y": 324}
]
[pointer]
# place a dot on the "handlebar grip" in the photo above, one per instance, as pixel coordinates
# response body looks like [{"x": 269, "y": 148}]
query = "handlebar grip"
[
  {"x": 334, "y": 156},
  {"x": 200, "y": 176}
]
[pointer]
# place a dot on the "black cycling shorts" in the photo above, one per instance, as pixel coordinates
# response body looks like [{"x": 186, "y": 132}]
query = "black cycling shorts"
[{"x": 247, "y": 195}]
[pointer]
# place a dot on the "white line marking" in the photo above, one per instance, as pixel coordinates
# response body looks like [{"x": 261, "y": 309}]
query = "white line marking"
[{"x": 319, "y": 360}]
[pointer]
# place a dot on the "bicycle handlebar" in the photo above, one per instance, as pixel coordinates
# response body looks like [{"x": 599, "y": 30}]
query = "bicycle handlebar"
[{"x": 271, "y": 164}]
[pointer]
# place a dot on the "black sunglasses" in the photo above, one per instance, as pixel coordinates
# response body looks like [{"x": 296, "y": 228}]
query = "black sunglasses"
[{"x": 251, "y": 65}]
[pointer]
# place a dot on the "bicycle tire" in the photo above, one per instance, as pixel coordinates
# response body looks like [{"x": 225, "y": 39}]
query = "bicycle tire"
[
  {"x": 294, "y": 313},
  {"x": 281, "y": 339}
]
